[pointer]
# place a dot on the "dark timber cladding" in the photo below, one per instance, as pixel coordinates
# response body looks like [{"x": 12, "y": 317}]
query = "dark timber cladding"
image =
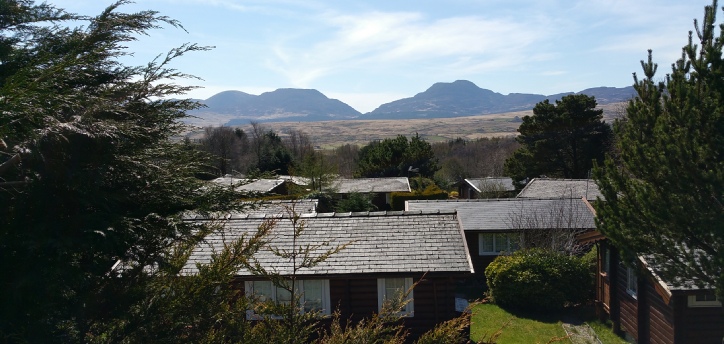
[
  {"x": 657, "y": 312},
  {"x": 380, "y": 245},
  {"x": 660, "y": 317},
  {"x": 699, "y": 324},
  {"x": 628, "y": 305}
]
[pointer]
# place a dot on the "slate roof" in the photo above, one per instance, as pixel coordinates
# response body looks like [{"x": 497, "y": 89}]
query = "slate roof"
[
  {"x": 378, "y": 242},
  {"x": 229, "y": 181},
  {"x": 561, "y": 188},
  {"x": 295, "y": 179},
  {"x": 504, "y": 214},
  {"x": 390, "y": 184},
  {"x": 284, "y": 207},
  {"x": 491, "y": 184},
  {"x": 259, "y": 185},
  {"x": 268, "y": 209},
  {"x": 678, "y": 284}
]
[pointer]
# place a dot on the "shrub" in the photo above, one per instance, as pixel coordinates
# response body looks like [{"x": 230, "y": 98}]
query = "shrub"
[{"x": 538, "y": 279}]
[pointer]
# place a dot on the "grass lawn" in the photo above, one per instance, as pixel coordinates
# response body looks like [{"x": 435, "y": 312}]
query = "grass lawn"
[
  {"x": 604, "y": 333},
  {"x": 518, "y": 328},
  {"x": 530, "y": 327}
]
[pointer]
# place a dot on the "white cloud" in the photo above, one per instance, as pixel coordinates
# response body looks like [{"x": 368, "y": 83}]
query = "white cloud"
[{"x": 378, "y": 41}]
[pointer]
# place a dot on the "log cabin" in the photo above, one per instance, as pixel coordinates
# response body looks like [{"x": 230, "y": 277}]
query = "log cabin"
[
  {"x": 385, "y": 252},
  {"x": 646, "y": 309},
  {"x": 494, "y": 226},
  {"x": 380, "y": 189}
]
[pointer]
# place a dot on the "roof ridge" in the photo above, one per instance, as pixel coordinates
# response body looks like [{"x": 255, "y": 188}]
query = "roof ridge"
[
  {"x": 490, "y": 200},
  {"x": 384, "y": 213},
  {"x": 562, "y": 179}
]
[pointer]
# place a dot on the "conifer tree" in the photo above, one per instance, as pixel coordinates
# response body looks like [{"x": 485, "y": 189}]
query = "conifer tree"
[
  {"x": 396, "y": 158},
  {"x": 560, "y": 140},
  {"x": 89, "y": 177},
  {"x": 664, "y": 188},
  {"x": 88, "y": 172}
]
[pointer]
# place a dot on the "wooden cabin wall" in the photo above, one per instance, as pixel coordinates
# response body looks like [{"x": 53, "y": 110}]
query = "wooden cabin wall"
[
  {"x": 628, "y": 306},
  {"x": 703, "y": 325},
  {"x": 660, "y": 318}
]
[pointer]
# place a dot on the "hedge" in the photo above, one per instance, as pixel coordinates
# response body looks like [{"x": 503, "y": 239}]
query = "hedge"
[{"x": 538, "y": 279}]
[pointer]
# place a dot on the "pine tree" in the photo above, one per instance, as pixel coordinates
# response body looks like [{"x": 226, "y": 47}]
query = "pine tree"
[
  {"x": 88, "y": 172},
  {"x": 90, "y": 177},
  {"x": 560, "y": 140},
  {"x": 664, "y": 188},
  {"x": 396, "y": 157}
]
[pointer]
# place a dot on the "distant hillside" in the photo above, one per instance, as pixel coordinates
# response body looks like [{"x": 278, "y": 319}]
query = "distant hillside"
[
  {"x": 284, "y": 104},
  {"x": 442, "y": 100},
  {"x": 464, "y": 98}
]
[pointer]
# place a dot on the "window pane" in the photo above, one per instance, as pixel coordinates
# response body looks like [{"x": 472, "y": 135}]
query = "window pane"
[
  {"x": 514, "y": 241},
  {"x": 394, "y": 287},
  {"x": 284, "y": 296},
  {"x": 313, "y": 295},
  {"x": 263, "y": 290},
  {"x": 632, "y": 284},
  {"x": 706, "y": 297},
  {"x": 501, "y": 242},
  {"x": 486, "y": 244}
]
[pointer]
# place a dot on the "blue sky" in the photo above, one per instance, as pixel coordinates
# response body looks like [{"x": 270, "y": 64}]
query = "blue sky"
[{"x": 366, "y": 53}]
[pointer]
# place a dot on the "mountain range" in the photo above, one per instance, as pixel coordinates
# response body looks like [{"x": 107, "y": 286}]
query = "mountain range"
[{"x": 441, "y": 100}]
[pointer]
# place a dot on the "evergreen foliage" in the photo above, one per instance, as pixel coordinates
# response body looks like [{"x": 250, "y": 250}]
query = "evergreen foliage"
[
  {"x": 355, "y": 202},
  {"x": 274, "y": 156},
  {"x": 90, "y": 178},
  {"x": 395, "y": 157},
  {"x": 560, "y": 140},
  {"x": 88, "y": 174},
  {"x": 664, "y": 187},
  {"x": 207, "y": 307},
  {"x": 538, "y": 279},
  {"x": 317, "y": 168}
]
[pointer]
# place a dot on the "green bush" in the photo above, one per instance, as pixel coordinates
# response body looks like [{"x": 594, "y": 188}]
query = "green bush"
[{"x": 538, "y": 279}]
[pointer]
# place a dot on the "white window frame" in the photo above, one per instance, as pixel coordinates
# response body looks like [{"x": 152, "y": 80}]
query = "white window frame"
[
  {"x": 692, "y": 303},
  {"x": 299, "y": 286},
  {"x": 632, "y": 286},
  {"x": 499, "y": 239},
  {"x": 409, "y": 310}
]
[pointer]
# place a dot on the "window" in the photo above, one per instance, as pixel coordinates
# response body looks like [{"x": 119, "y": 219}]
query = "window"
[
  {"x": 607, "y": 260},
  {"x": 704, "y": 300},
  {"x": 513, "y": 242},
  {"x": 494, "y": 243},
  {"x": 390, "y": 288},
  {"x": 632, "y": 286},
  {"x": 313, "y": 294}
]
